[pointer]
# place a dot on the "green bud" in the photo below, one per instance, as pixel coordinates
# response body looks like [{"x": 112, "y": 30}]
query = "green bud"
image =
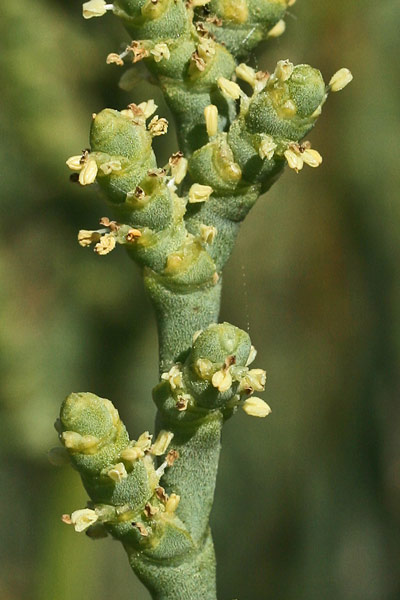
[
  {"x": 286, "y": 106},
  {"x": 147, "y": 20},
  {"x": 245, "y": 23},
  {"x": 95, "y": 436}
]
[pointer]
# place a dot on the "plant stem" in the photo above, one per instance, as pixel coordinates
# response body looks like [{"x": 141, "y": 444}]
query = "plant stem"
[
  {"x": 190, "y": 579},
  {"x": 180, "y": 315}
]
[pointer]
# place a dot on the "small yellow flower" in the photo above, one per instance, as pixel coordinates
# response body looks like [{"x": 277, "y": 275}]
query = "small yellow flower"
[
  {"x": 174, "y": 377},
  {"x": 208, "y": 233},
  {"x": 267, "y": 147},
  {"x": 294, "y": 160},
  {"x": 162, "y": 442},
  {"x": 148, "y": 108},
  {"x": 179, "y": 167},
  {"x": 340, "y": 79},
  {"x": 83, "y": 518},
  {"x": 132, "y": 454},
  {"x": 160, "y": 51},
  {"x": 211, "y": 116},
  {"x": 255, "y": 407},
  {"x": 222, "y": 380},
  {"x": 114, "y": 58},
  {"x": 289, "y": 109},
  {"x": 277, "y": 29},
  {"x": 206, "y": 48},
  {"x": 204, "y": 367},
  {"x": 110, "y": 166},
  {"x": 317, "y": 112},
  {"x": 105, "y": 245},
  {"x": 75, "y": 163},
  {"x": 229, "y": 88},
  {"x": 246, "y": 73},
  {"x": 199, "y": 193},
  {"x": 252, "y": 356},
  {"x": 253, "y": 381},
  {"x": 88, "y": 173},
  {"x": 118, "y": 472},
  {"x": 87, "y": 237},
  {"x": 172, "y": 503},
  {"x": 95, "y": 8},
  {"x": 284, "y": 70},
  {"x": 84, "y": 444},
  {"x": 312, "y": 157},
  {"x": 158, "y": 126}
]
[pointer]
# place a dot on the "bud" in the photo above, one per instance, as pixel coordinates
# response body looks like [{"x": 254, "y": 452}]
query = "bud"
[
  {"x": 340, "y": 79},
  {"x": 255, "y": 407}
]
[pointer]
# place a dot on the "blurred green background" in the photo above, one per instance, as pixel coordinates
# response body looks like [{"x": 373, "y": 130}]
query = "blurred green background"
[{"x": 308, "y": 502}]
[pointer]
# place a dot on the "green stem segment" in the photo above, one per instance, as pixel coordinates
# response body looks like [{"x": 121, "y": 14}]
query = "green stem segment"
[
  {"x": 180, "y": 315},
  {"x": 192, "y": 579}
]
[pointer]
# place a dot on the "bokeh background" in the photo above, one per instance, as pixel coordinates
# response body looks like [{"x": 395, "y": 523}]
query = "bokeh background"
[{"x": 308, "y": 501}]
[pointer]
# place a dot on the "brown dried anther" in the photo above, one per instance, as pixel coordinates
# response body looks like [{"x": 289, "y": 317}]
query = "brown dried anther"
[
  {"x": 139, "y": 52},
  {"x": 112, "y": 225},
  {"x": 142, "y": 529},
  {"x": 150, "y": 510},
  {"x": 161, "y": 494},
  {"x": 199, "y": 62},
  {"x": 133, "y": 235},
  {"x": 171, "y": 457}
]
